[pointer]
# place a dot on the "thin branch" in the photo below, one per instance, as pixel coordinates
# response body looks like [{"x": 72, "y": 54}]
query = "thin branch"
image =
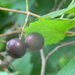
[
  {"x": 43, "y": 67},
  {"x": 26, "y": 20},
  {"x": 24, "y": 27},
  {"x": 22, "y": 12},
  {"x": 27, "y": 8},
  {"x": 57, "y": 48},
  {"x": 71, "y": 2},
  {"x": 43, "y": 62},
  {"x": 5, "y": 63},
  {"x": 60, "y": 5},
  {"x": 8, "y": 61},
  {"x": 3, "y": 42},
  {"x": 55, "y": 5},
  {"x": 68, "y": 6},
  {"x": 14, "y": 32},
  {"x": 42, "y": 54},
  {"x": 4, "y": 53},
  {"x": 70, "y": 32}
]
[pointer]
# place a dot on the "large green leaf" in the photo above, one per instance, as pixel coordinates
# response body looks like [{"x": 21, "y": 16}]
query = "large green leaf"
[
  {"x": 23, "y": 65},
  {"x": 69, "y": 69},
  {"x": 5, "y": 73},
  {"x": 70, "y": 9},
  {"x": 52, "y": 30}
]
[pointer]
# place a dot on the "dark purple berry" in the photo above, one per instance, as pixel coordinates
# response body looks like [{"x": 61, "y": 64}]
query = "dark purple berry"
[
  {"x": 16, "y": 48},
  {"x": 34, "y": 41}
]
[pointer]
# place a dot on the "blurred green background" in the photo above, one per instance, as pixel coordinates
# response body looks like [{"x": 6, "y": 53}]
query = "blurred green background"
[{"x": 30, "y": 64}]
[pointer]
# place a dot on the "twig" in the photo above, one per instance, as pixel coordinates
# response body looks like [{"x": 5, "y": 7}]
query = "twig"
[
  {"x": 71, "y": 3},
  {"x": 55, "y": 5},
  {"x": 27, "y": 8},
  {"x": 22, "y": 12},
  {"x": 57, "y": 48},
  {"x": 43, "y": 62},
  {"x": 3, "y": 42},
  {"x": 4, "y": 53},
  {"x": 14, "y": 32},
  {"x": 68, "y": 6},
  {"x": 42, "y": 54},
  {"x": 24, "y": 27},
  {"x": 60, "y": 5},
  {"x": 7, "y": 62},
  {"x": 26, "y": 20}
]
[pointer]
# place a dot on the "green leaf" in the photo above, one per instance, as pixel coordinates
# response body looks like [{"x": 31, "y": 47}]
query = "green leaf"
[
  {"x": 23, "y": 65},
  {"x": 42, "y": 6},
  {"x": 6, "y": 19},
  {"x": 52, "y": 30},
  {"x": 6, "y": 3},
  {"x": 69, "y": 69},
  {"x": 5, "y": 73},
  {"x": 2, "y": 44},
  {"x": 70, "y": 9}
]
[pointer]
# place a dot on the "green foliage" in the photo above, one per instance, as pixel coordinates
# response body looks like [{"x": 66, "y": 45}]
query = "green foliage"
[
  {"x": 23, "y": 65},
  {"x": 5, "y": 73},
  {"x": 52, "y": 30},
  {"x": 6, "y": 3},
  {"x": 69, "y": 69},
  {"x": 70, "y": 9},
  {"x": 71, "y": 15},
  {"x": 21, "y": 5},
  {"x": 2, "y": 44}
]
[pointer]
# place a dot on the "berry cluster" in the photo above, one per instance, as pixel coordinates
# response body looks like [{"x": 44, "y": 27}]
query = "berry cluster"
[{"x": 16, "y": 48}]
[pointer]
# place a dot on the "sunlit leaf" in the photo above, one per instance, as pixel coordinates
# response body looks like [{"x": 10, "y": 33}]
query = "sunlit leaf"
[
  {"x": 52, "y": 30},
  {"x": 69, "y": 69}
]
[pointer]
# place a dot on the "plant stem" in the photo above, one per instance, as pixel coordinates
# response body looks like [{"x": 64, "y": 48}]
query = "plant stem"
[
  {"x": 26, "y": 20},
  {"x": 27, "y": 9},
  {"x": 14, "y": 32},
  {"x": 68, "y": 6},
  {"x": 22, "y": 12},
  {"x": 24, "y": 27},
  {"x": 57, "y": 48},
  {"x": 43, "y": 67},
  {"x": 43, "y": 62}
]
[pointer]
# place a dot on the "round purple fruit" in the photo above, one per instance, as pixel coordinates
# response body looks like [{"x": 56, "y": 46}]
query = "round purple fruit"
[
  {"x": 16, "y": 48},
  {"x": 34, "y": 41}
]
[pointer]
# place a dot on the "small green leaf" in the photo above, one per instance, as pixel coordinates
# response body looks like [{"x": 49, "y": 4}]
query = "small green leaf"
[
  {"x": 6, "y": 3},
  {"x": 69, "y": 69},
  {"x": 23, "y": 65},
  {"x": 5, "y": 73},
  {"x": 2, "y": 44},
  {"x": 70, "y": 9},
  {"x": 52, "y": 30}
]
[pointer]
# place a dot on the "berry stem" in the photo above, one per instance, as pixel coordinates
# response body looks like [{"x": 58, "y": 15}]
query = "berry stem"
[
  {"x": 24, "y": 26},
  {"x": 26, "y": 20}
]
